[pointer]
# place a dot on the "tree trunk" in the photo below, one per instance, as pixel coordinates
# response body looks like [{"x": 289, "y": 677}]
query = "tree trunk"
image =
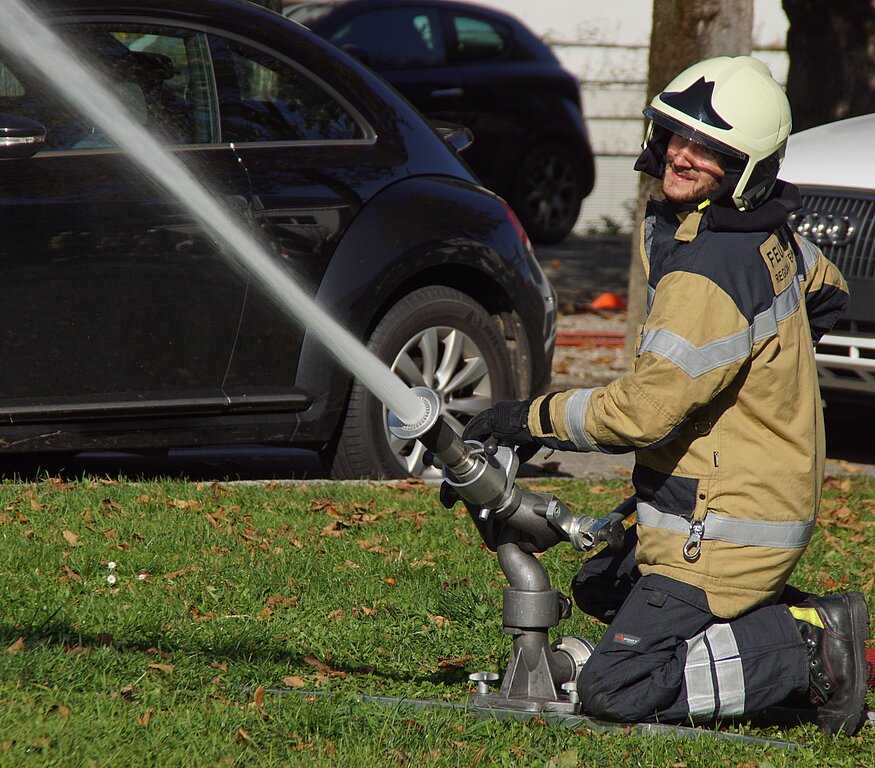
[
  {"x": 684, "y": 32},
  {"x": 832, "y": 60}
]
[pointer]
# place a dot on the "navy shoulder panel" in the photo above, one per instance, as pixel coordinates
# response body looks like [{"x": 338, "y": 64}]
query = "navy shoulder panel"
[{"x": 731, "y": 260}]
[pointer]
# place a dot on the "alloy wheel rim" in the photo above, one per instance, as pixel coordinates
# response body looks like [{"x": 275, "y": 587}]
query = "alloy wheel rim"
[
  {"x": 552, "y": 191},
  {"x": 449, "y": 362}
]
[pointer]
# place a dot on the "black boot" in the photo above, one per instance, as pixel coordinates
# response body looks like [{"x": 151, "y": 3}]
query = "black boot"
[{"x": 836, "y": 659}]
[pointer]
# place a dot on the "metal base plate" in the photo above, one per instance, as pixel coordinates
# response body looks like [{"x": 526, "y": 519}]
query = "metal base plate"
[{"x": 495, "y": 702}]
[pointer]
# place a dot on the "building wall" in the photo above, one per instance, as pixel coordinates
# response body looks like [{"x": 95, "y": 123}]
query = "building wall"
[{"x": 606, "y": 45}]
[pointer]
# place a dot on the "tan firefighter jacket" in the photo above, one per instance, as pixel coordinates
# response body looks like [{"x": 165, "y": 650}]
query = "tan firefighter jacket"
[{"x": 722, "y": 406}]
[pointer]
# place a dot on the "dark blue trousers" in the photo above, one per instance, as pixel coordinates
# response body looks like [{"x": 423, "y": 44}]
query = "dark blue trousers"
[{"x": 666, "y": 657}]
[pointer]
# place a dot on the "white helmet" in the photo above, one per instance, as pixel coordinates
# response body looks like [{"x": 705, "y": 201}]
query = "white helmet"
[{"x": 733, "y": 106}]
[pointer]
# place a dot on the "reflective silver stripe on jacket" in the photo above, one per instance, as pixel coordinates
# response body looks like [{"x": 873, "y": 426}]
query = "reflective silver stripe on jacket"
[
  {"x": 575, "y": 418},
  {"x": 755, "y": 533},
  {"x": 712, "y": 656},
  {"x": 695, "y": 361},
  {"x": 810, "y": 254}
]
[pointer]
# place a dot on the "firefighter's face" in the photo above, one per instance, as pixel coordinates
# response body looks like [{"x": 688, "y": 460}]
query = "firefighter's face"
[{"x": 692, "y": 171}]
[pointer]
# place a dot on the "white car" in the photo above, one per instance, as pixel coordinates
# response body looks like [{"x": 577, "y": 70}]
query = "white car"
[{"x": 834, "y": 167}]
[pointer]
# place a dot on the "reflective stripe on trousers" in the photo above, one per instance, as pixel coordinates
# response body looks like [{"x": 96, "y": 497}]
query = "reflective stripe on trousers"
[
  {"x": 666, "y": 657},
  {"x": 714, "y": 674}
]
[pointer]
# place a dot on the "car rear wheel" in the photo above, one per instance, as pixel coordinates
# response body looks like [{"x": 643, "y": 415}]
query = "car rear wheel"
[
  {"x": 435, "y": 337},
  {"x": 546, "y": 194}
]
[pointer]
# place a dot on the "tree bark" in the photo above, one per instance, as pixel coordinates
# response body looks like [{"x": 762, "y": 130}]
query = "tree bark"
[
  {"x": 683, "y": 32},
  {"x": 832, "y": 60}
]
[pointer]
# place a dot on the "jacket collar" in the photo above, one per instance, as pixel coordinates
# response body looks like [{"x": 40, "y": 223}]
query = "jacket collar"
[{"x": 771, "y": 215}]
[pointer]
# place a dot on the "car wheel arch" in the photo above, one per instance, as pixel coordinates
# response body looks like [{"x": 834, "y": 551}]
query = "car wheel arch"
[
  {"x": 404, "y": 250},
  {"x": 490, "y": 294},
  {"x": 440, "y": 337}
]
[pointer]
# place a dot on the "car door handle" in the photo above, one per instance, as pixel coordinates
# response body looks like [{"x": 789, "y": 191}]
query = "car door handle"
[{"x": 444, "y": 93}]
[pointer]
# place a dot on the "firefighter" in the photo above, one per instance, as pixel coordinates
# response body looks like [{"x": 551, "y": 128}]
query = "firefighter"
[{"x": 723, "y": 411}]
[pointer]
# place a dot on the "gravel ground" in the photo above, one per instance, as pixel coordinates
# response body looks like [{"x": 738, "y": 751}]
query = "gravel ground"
[
  {"x": 588, "y": 365},
  {"x": 581, "y": 269}
]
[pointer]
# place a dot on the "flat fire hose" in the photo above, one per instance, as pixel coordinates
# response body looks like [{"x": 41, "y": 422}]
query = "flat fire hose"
[{"x": 561, "y": 720}]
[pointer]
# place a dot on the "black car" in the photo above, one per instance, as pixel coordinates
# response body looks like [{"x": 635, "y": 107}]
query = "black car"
[
  {"x": 125, "y": 328},
  {"x": 484, "y": 69}
]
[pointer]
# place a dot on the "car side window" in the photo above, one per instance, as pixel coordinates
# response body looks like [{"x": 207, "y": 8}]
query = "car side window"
[
  {"x": 394, "y": 38},
  {"x": 262, "y": 98},
  {"x": 160, "y": 75},
  {"x": 477, "y": 39}
]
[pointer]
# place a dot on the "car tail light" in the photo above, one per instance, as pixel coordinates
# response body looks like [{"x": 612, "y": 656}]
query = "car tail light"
[{"x": 518, "y": 228}]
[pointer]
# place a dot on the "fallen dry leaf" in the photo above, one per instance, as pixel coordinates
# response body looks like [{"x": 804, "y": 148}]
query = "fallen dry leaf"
[
  {"x": 281, "y": 601},
  {"x": 17, "y": 646},
  {"x": 186, "y": 504},
  {"x": 372, "y": 545},
  {"x": 410, "y": 484},
  {"x": 258, "y": 699},
  {"x": 71, "y": 538},
  {"x": 181, "y": 572},
  {"x": 165, "y": 669},
  {"x": 457, "y": 662},
  {"x": 334, "y": 528},
  {"x": 836, "y": 483},
  {"x": 323, "y": 668},
  {"x": 243, "y": 737},
  {"x": 146, "y": 717},
  {"x": 293, "y": 681},
  {"x": 70, "y": 574}
]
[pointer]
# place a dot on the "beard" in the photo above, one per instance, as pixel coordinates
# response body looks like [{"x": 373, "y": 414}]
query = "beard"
[{"x": 687, "y": 189}]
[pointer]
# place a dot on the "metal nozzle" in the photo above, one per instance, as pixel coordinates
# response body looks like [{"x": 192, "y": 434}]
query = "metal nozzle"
[
  {"x": 432, "y": 430},
  {"x": 416, "y": 431},
  {"x": 479, "y": 479}
]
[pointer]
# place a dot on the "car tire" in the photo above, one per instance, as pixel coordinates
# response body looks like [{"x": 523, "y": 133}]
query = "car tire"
[
  {"x": 546, "y": 193},
  {"x": 436, "y": 337}
]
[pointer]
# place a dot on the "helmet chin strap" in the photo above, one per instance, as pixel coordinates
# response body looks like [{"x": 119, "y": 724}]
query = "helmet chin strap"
[{"x": 731, "y": 177}]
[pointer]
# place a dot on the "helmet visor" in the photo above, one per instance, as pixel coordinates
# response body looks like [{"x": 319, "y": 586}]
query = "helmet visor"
[{"x": 687, "y": 132}]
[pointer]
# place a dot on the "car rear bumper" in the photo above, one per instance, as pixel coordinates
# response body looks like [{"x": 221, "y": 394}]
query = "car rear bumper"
[{"x": 846, "y": 366}]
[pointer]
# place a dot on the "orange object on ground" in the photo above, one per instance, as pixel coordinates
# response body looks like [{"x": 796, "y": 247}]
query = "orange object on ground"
[{"x": 608, "y": 301}]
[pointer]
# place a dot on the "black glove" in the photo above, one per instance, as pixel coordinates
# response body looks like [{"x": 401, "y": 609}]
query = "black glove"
[{"x": 506, "y": 421}]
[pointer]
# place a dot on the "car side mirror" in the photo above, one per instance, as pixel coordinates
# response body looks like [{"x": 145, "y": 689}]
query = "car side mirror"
[
  {"x": 20, "y": 136},
  {"x": 459, "y": 137}
]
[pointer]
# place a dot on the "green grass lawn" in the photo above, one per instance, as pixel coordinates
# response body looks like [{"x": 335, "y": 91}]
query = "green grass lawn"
[{"x": 221, "y": 591}]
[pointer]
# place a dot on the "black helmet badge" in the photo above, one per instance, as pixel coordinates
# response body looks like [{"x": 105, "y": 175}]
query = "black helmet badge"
[{"x": 695, "y": 101}]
